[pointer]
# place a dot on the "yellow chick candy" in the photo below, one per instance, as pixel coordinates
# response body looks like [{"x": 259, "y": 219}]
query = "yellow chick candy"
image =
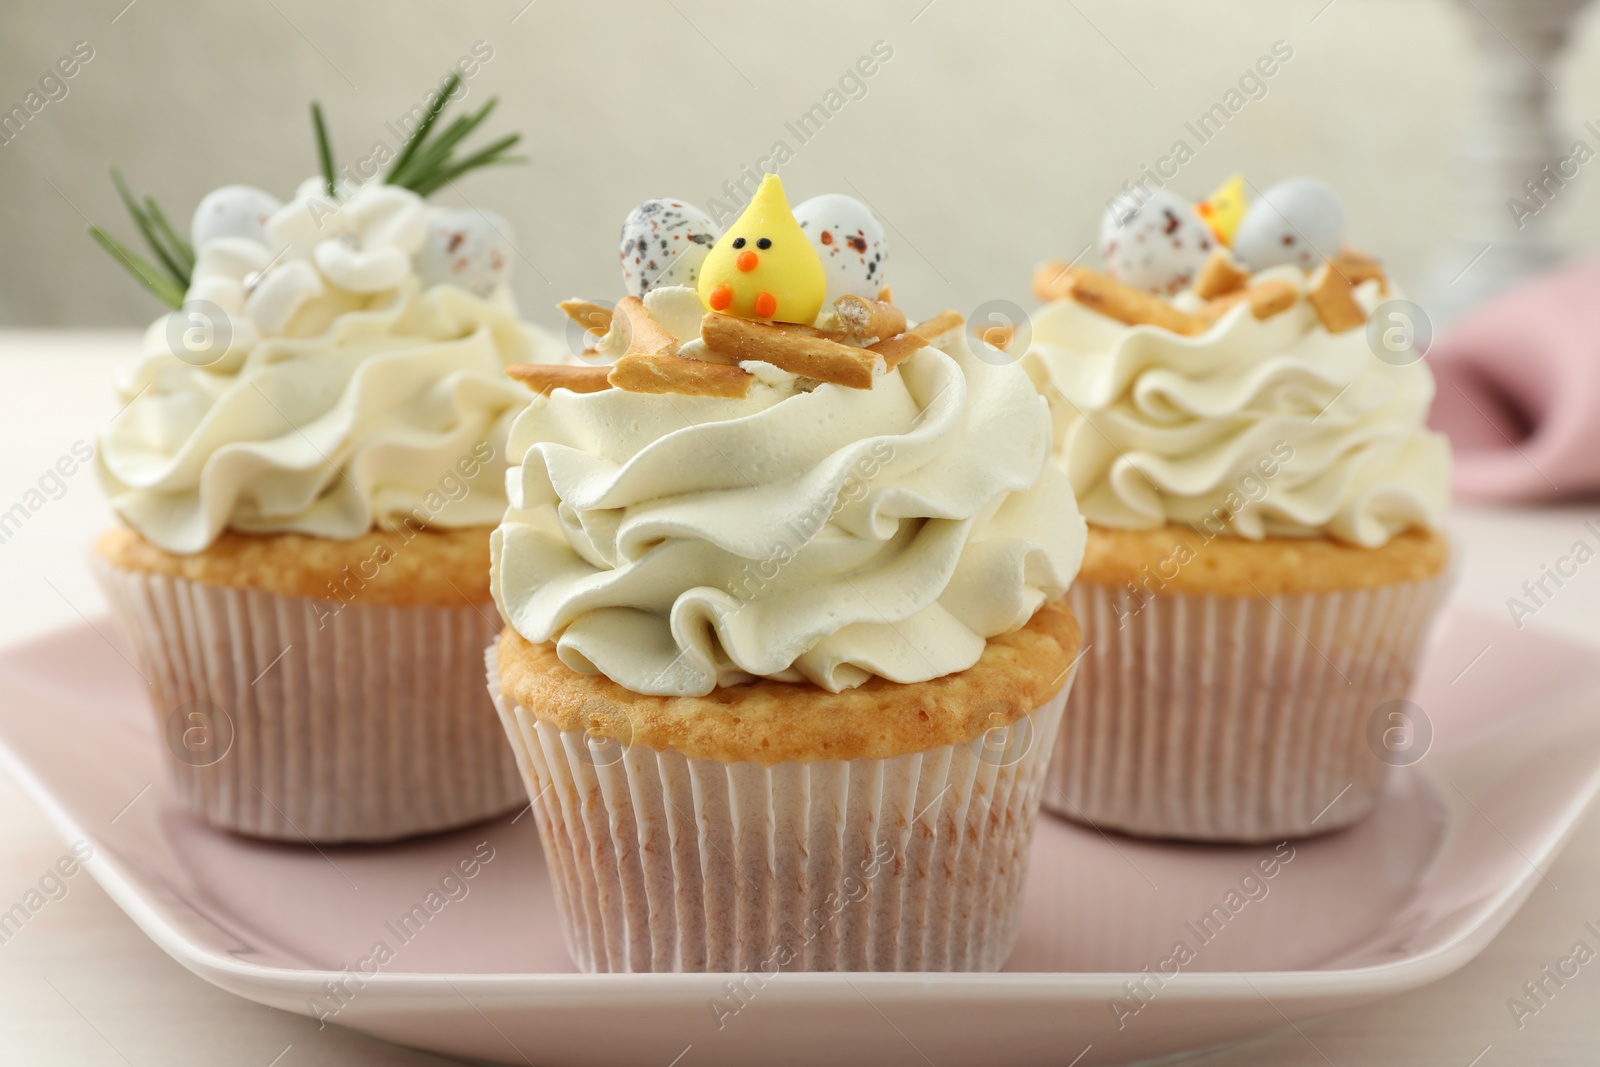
[
  {"x": 1224, "y": 209},
  {"x": 764, "y": 267}
]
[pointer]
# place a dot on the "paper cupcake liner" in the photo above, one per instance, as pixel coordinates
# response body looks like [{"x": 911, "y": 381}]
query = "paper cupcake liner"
[
  {"x": 295, "y": 719},
  {"x": 1233, "y": 718},
  {"x": 665, "y": 863}
]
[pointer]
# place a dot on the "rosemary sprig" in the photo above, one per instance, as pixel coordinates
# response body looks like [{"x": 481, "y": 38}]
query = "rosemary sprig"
[
  {"x": 164, "y": 288},
  {"x": 426, "y": 163},
  {"x": 324, "y": 148},
  {"x": 182, "y": 248},
  {"x": 170, "y": 280},
  {"x": 420, "y": 134},
  {"x": 495, "y": 153},
  {"x": 440, "y": 147},
  {"x": 173, "y": 258}
]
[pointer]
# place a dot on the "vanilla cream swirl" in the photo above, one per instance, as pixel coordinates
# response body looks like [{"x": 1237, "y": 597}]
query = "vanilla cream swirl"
[
  {"x": 1255, "y": 428},
  {"x": 680, "y": 543},
  {"x": 363, "y": 408}
]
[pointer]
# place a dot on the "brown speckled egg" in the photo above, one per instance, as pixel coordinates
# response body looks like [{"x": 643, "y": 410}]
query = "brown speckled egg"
[
  {"x": 850, "y": 242},
  {"x": 663, "y": 243},
  {"x": 1155, "y": 242}
]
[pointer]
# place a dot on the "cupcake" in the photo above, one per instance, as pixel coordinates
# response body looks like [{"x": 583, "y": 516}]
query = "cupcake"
[
  {"x": 785, "y": 652},
  {"x": 307, "y": 468},
  {"x": 1241, "y": 415}
]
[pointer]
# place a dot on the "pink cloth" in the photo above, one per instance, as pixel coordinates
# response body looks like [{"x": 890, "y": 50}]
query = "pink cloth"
[{"x": 1519, "y": 391}]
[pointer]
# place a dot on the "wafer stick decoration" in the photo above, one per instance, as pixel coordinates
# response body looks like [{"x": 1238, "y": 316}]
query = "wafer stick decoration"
[
  {"x": 1130, "y": 306},
  {"x": 546, "y": 378},
  {"x": 645, "y": 336},
  {"x": 1052, "y": 280},
  {"x": 941, "y": 328},
  {"x": 594, "y": 318},
  {"x": 668, "y": 373},
  {"x": 869, "y": 320},
  {"x": 1334, "y": 302},
  {"x": 1220, "y": 276},
  {"x": 1358, "y": 267},
  {"x": 793, "y": 351},
  {"x": 934, "y": 332},
  {"x": 1271, "y": 298}
]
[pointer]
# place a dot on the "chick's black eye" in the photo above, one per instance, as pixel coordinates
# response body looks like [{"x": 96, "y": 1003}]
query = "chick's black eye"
[
  {"x": 764, "y": 243},
  {"x": 738, "y": 242}
]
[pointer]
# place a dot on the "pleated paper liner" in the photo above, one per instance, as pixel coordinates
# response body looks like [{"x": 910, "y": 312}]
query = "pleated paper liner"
[
  {"x": 299, "y": 720},
  {"x": 666, "y": 863},
  {"x": 1228, "y": 718}
]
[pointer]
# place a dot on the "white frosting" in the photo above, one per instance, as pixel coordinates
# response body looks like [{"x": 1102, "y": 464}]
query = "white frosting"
[
  {"x": 676, "y": 544},
  {"x": 349, "y": 396},
  {"x": 1255, "y": 428}
]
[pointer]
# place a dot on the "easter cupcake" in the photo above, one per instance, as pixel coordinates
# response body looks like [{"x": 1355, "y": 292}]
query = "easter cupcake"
[
  {"x": 786, "y": 651},
  {"x": 1264, "y": 555},
  {"x": 307, "y": 467}
]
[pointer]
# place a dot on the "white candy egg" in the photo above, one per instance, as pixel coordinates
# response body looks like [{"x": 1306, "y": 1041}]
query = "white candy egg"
[
  {"x": 663, "y": 243},
  {"x": 1121, "y": 206},
  {"x": 1299, "y": 221},
  {"x": 1159, "y": 246},
  {"x": 851, "y": 242},
  {"x": 232, "y": 211},
  {"x": 468, "y": 248}
]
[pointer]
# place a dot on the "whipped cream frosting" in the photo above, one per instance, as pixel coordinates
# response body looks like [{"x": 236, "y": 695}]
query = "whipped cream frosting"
[
  {"x": 1255, "y": 428},
  {"x": 340, "y": 391},
  {"x": 680, "y": 543}
]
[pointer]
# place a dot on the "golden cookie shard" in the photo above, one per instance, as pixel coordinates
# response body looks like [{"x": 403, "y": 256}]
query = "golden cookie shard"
[
  {"x": 1130, "y": 306},
  {"x": 1220, "y": 276},
  {"x": 645, "y": 336},
  {"x": 793, "y": 351},
  {"x": 667, "y": 373},
  {"x": 1331, "y": 296},
  {"x": 869, "y": 319},
  {"x": 1272, "y": 298},
  {"x": 545, "y": 378}
]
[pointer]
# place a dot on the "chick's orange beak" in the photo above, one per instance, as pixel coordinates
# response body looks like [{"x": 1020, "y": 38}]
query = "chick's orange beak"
[{"x": 747, "y": 261}]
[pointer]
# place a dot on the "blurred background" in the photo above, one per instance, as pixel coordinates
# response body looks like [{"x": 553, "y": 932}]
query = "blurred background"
[{"x": 989, "y": 139}]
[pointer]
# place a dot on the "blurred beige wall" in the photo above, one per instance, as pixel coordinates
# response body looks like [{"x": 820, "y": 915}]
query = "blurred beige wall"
[{"x": 989, "y": 141}]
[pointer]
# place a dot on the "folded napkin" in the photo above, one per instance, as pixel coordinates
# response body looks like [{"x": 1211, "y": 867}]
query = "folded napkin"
[{"x": 1519, "y": 391}]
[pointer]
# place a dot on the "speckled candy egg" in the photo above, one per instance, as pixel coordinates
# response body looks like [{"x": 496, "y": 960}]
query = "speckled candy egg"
[
  {"x": 468, "y": 248},
  {"x": 850, "y": 241},
  {"x": 663, "y": 243},
  {"x": 1159, "y": 245},
  {"x": 1299, "y": 221},
  {"x": 233, "y": 211}
]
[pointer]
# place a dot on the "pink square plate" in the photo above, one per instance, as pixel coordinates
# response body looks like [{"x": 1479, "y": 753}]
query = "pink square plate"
[{"x": 475, "y": 966}]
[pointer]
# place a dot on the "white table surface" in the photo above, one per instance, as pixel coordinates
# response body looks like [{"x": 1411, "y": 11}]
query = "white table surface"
[{"x": 82, "y": 986}]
